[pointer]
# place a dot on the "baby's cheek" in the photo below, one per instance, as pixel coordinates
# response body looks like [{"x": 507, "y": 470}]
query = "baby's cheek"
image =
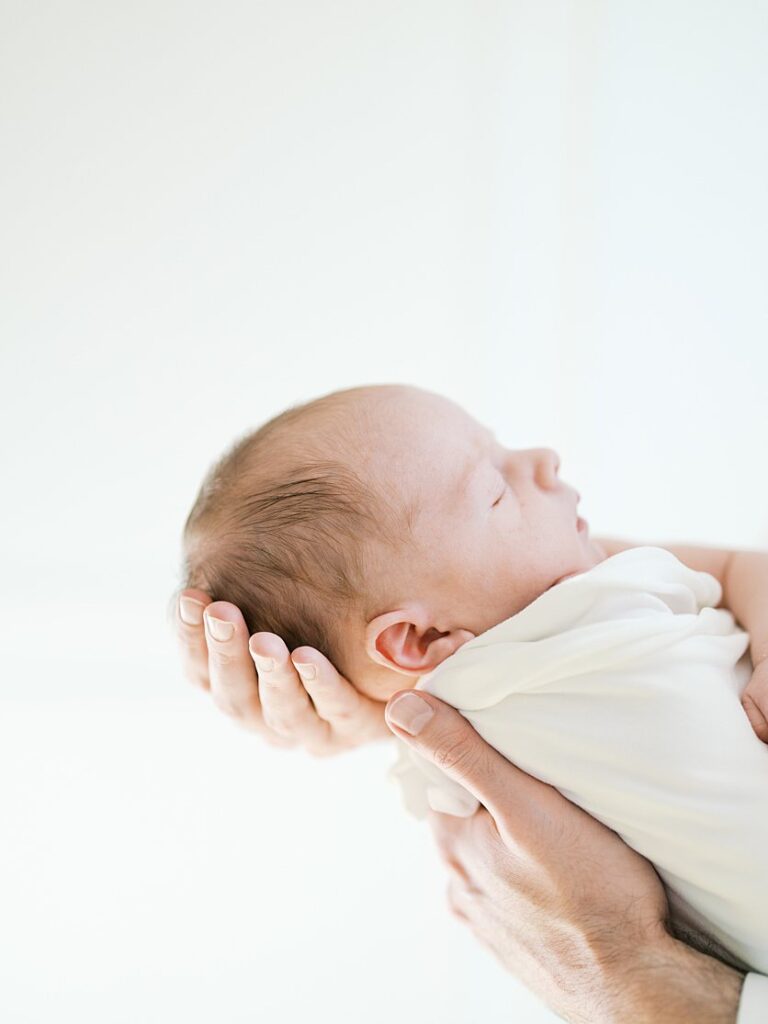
[{"x": 383, "y": 689}]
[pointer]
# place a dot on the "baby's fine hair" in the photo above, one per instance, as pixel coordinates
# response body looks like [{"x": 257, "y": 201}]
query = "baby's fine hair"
[{"x": 285, "y": 522}]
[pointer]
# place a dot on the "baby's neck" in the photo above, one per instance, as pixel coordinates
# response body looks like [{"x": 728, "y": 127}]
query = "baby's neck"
[{"x": 381, "y": 683}]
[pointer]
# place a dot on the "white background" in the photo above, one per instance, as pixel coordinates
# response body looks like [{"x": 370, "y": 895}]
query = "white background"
[{"x": 554, "y": 213}]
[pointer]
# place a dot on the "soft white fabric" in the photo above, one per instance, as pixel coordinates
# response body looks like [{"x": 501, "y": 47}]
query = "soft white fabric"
[
  {"x": 620, "y": 687},
  {"x": 753, "y": 1005}
]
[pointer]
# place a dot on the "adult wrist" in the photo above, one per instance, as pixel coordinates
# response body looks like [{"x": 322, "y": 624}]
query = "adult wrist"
[{"x": 671, "y": 983}]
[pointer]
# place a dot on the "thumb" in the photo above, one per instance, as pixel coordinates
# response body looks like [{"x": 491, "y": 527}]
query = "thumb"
[
  {"x": 756, "y": 717},
  {"x": 446, "y": 739}
]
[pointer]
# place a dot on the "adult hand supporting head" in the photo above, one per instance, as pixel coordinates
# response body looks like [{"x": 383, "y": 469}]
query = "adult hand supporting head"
[
  {"x": 289, "y": 699},
  {"x": 566, "y": 906}
]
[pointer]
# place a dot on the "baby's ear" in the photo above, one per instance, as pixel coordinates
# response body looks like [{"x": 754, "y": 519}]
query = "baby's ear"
[{"x": 404, "y": 640}]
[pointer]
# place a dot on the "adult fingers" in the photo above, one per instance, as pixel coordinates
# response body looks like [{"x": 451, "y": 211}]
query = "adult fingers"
[
  {"x": 234, "y": 686},
  {"x": 285, "y": 703},
  {"x": 459, "y": 899},
  {"x": 447, "y": 841},
  {"x": 351, "y": 715},
  {"x": 334, "y": 698},
  {"x": 754, "y": 700},
  {"x": 190, "y": 635},
  {"x": 443, "y": 736},
  {"x": 756, "y": 717},
  {"x": 468, "y": 846},
  {"x": 213, "y": 639}
]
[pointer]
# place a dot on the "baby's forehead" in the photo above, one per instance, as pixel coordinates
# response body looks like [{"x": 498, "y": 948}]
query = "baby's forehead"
[
  {"x": 415, "y": 411},
  {"x": 402, "y": 440}
]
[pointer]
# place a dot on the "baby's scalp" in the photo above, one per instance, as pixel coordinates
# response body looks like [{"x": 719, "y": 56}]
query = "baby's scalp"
[{"x": 294, "y": 525}]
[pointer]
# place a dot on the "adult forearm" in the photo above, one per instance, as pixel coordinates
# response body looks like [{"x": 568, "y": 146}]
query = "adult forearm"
[
  {"x": 746, "y": 594},
  {"x": 675, "y": 984}
]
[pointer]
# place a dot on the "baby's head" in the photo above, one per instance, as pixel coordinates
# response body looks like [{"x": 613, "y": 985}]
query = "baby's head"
[{"x": 384, "y": 526}]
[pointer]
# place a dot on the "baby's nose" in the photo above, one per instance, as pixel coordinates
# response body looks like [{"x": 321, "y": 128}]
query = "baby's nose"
[{"x": 547, "y": 466}]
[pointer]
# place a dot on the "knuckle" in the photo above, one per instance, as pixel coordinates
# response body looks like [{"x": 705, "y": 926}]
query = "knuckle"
[
  {"x": 342, "y": 716},
  {"x": 453, "y": 752},
  {"x": 273, "y": 724},
  {"x": 273, "y": 739},
  {"x": 459, "y": 875},
  {"x": 271, "y": 684},
  {"x": 454, "y": 900},
  {"x": 487, "y": 831},
  {"x": 282, "y": 724},
  {"x": 445, "y": 852},
  {"x": 445, "y": 843},
  {"x": 454, "y": 909},
  {"x": 220, "y": 657},
  {"x": 225, "y": 705},
  {"x": 248, "y": 710},
  {"x": 320, "y": 751},
  {"x": 197, "y": 678}
]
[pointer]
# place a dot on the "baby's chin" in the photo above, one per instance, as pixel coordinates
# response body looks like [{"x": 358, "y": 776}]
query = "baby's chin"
[
  {"x": 595, "y": 555},
  {"x": 599, "y": 553}
]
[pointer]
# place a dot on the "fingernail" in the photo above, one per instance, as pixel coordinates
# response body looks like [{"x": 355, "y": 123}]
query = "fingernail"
[
  {"x": 263, "y": 664},
  {"x": 191, "y": 611},
  {"x": 410, "y": 713},
  {"x": 219, "y": 629},
  {"x": 307, "y": 672}
]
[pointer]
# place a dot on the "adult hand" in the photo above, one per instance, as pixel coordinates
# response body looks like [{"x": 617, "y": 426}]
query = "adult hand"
[
  {"x": 296, "y": 699},
  {"x": 566, "y": 906},
  {"x": 754, "y": 700}
]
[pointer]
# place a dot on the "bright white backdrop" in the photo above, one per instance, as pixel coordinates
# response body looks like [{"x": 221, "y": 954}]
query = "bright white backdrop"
[{"x": 553, "y": 212}]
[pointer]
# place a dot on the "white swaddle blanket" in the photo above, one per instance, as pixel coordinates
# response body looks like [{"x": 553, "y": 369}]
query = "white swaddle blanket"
[{"x": 620, "y": 687}]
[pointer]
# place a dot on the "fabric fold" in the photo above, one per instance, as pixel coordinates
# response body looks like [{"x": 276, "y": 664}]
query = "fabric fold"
[{"x": 621, "y": 687}]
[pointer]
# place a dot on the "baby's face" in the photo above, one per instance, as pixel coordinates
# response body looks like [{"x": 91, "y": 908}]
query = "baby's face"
[{"x": 496, "y": 527}]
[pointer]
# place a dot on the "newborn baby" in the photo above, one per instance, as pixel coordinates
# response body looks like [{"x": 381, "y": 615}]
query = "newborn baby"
[{"x": 387, "y": 528}]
